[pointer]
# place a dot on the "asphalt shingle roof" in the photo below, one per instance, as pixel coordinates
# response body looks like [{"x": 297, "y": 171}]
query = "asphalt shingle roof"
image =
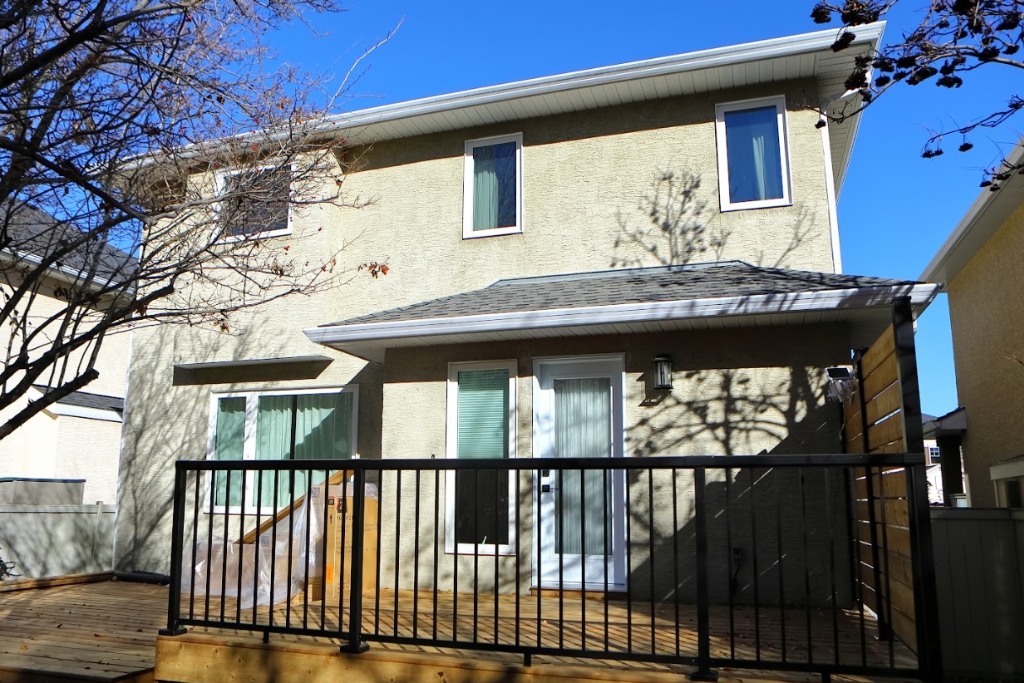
[
  {"x": 86, "y": 400},
  {"x": 635, "y": 285},
  {"x": 31, "y": 231}
]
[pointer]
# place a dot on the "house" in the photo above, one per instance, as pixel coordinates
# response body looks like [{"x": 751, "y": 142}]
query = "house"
[
  {"x": 977, "y": 264},
  {"x": 79, "y": 436},
  {"x": 628, "y": 261}
]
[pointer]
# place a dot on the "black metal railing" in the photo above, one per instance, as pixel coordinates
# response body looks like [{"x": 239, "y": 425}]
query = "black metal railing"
[{"x": 740, "y": 561}]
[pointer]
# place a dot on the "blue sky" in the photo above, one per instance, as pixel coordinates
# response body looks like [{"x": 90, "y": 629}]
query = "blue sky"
[{"x": 895, "y": 209}]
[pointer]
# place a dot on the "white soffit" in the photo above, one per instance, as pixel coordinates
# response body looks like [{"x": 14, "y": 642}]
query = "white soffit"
[
  {"x": 865, "y": 309},
  {"x": 988, "y": 212},
  {"x": 806, "y": 55}
]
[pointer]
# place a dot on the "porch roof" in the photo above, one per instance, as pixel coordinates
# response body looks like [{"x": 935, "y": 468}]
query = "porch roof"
[{"x": 629, "y": 301}]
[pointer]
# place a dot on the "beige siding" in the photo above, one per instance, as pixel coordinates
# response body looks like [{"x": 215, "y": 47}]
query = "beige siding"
[
  {"x": 986, "y": 307},
  {"x": 88, "y": 449}
]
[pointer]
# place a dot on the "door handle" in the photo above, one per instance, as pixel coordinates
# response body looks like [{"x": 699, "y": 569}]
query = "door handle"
[{"x": 545, "y": 488}]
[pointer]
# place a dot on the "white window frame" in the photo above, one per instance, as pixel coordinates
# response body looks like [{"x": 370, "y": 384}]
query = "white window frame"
[
  {"x": 467, "y": 192},
  {"x": 220, "y": 186},
  {"x": 451, "y": 451},
  {"x": 779, "y": 102},
  {"x": 249, "y": 436}
]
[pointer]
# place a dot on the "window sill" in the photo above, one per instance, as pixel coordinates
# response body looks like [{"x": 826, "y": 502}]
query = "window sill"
[
  {"x": 484, "y": 551},
  {"x": 495, "y": 232},
  {"x": 249, "y": 237},
  {"x": 761, "y": 204}
]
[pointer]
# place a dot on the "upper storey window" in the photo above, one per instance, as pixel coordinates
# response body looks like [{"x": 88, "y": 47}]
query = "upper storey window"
[
  {"x": 494, "y": 187},
  {"x": 254, "y": 203},
  {"x": 753, "y": 155}
]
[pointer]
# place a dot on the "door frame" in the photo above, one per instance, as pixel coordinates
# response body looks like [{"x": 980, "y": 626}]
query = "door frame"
[{"x": 614, "y": 366}]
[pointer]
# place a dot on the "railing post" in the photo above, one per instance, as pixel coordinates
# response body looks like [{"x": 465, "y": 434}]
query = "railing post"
[
  {"x": 704, "y": 671},
  {"x": 177, "y": 550},
  {"x": 926, "y": 615},
  {"x": 355, "y": 643}
]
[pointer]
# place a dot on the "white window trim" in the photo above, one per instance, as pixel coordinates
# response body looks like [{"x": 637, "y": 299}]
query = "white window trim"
[
  {"x": 467, "y": 192},
  {"x": 779, "y": 102},
  {"x": 249, "y": 436},
  {"x": 451, "y": 451},
  {"x": 220, "y": 183}
]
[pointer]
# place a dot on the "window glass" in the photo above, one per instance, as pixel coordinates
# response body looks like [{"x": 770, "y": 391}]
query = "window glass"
[
  {"x": 229, "y": 445},
  {"x": 316, "y": 426},
  {"x": 494, "y": 186},
  {"x": 255, "y": 202},
  {"x": 481, "y": 499},
  {"x": 755, "y": 164}
]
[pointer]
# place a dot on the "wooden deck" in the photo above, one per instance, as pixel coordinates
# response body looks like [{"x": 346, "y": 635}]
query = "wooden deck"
[{"x": 106, "y": 632}]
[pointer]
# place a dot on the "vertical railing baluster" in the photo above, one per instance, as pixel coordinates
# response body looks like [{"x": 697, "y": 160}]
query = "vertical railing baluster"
[
  {"x": 560, "y": 551},
  {"x": 256, "y": 551},
  {"x": 476, "y": 552},
  {"x": 437, "y": 543},
  {"x": 241, "y": 548},
  {"x": 380, "y": 549},
  {"x": 323, "y": 553},
  {"x": 355, "y": 602},
  {"x": 753, "y": 566},
  {"x": 291, "y": 542},
  {"x": 629, "y": 567},
  {"x": 832, "y": 562},
  {"x": 583, "y": 562},
  {"x": 779, "y": 557},
  {"x": 306, "y": 555},
  {"x": 177, "y": 552},
  {"x": 197, "y": 496},
  {"x": 733, "y": 572},
  {"x": 225, "y": 546},
  {"x": 886, "y": 568},
  {"x": 517, "y": 547},
  {"x": 704, "y": 671},
  {"x": 398, "y": 545},
  {"x": 416, "y": 558},
  {"x": 650, "y": 551},
  {"x": 209, "y": 545},
  {"x": 675, "y": 554},
  {"x": 273, "y": 546},
  {"x": 607, "y": 550},
  {"x": 807, "y": 566},
  {"x": 538, "y": 488},
  {"x": 497, "y": 525}
]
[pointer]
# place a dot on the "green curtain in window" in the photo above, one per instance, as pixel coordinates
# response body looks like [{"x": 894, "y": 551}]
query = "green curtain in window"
[
  {"x": 494, "y": 186},
  {"x": 583, "y": 428},
  {"x": 230, "y": 440},
  {"x": 755, "y": 167},
  {"x": 481, "y": 501},
  {"x": 274, "y": 442}
]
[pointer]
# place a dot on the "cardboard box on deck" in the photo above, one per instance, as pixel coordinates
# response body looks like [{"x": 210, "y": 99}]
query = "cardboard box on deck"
[{"x": 339, "y": 539}]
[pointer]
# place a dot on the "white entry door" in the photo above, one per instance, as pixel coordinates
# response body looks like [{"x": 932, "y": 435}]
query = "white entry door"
[{"x": 579, "y": 535}]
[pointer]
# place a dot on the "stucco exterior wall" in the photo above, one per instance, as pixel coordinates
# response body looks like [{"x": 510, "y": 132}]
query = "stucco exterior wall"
[
  {"x": 733, "y": 394},
  {"x": 585, "y": 179},
  {"x": 986, "y": 309},
  {"x": 89, "y": 449}
]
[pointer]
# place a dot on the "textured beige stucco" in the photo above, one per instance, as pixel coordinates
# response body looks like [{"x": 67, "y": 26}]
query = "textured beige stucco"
[
  {"x": 986, "y": 309},
  {"x": 585, "y": 177},
  {"x": 733, "y": 394}
]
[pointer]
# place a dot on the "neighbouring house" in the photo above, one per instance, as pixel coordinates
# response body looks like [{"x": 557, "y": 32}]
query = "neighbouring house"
[
  {"x": 633, "y": 260},
  {"x": 979, "y": 266},
  {"x": 79, "y": 436},
  {"x": 59, "y": 470}
]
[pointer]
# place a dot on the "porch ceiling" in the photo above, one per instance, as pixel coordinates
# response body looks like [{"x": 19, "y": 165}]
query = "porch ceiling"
[{"x": 632, "y": 301}]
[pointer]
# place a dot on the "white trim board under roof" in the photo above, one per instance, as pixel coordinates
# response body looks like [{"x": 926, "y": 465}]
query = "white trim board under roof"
[
  {"x": 988, "y": 212},
  {"x": 802, "y": 56},
  {"x": 783, "y": 298}
]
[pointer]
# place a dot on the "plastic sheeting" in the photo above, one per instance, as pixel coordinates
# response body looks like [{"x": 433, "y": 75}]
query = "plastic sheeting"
[{"x": 280, "y": 548}]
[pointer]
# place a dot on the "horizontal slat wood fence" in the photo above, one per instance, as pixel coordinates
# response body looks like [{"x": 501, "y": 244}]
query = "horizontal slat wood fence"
[{"x": 874, "y": 423}]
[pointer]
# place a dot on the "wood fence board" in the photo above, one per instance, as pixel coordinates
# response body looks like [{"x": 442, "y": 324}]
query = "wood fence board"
[
  {"x": 881, "y": 378},
  {"x": 889, "y": 401},
  {"x": 892, "y": 447},
  {"x": 888, "y": 430},
  {"x": 883, "y": 346}
]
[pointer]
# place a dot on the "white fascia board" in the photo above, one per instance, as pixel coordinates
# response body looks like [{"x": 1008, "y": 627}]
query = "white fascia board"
[
  {"x": 729, "y": 55},
  {"x": 64, "y": 409},
  {"x": 921, "y": 295},
  {"x": 976, "y": 226},
  {"x": 1007, "y": 470},
  {"x": 64, "y": 274}
]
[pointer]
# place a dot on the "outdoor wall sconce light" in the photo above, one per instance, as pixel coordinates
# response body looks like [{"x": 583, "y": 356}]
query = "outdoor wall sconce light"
[{"x": 662, "y": 372}]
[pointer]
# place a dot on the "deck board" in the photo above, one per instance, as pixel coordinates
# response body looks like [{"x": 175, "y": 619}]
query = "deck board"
[{"x": 106, "y": 631}]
